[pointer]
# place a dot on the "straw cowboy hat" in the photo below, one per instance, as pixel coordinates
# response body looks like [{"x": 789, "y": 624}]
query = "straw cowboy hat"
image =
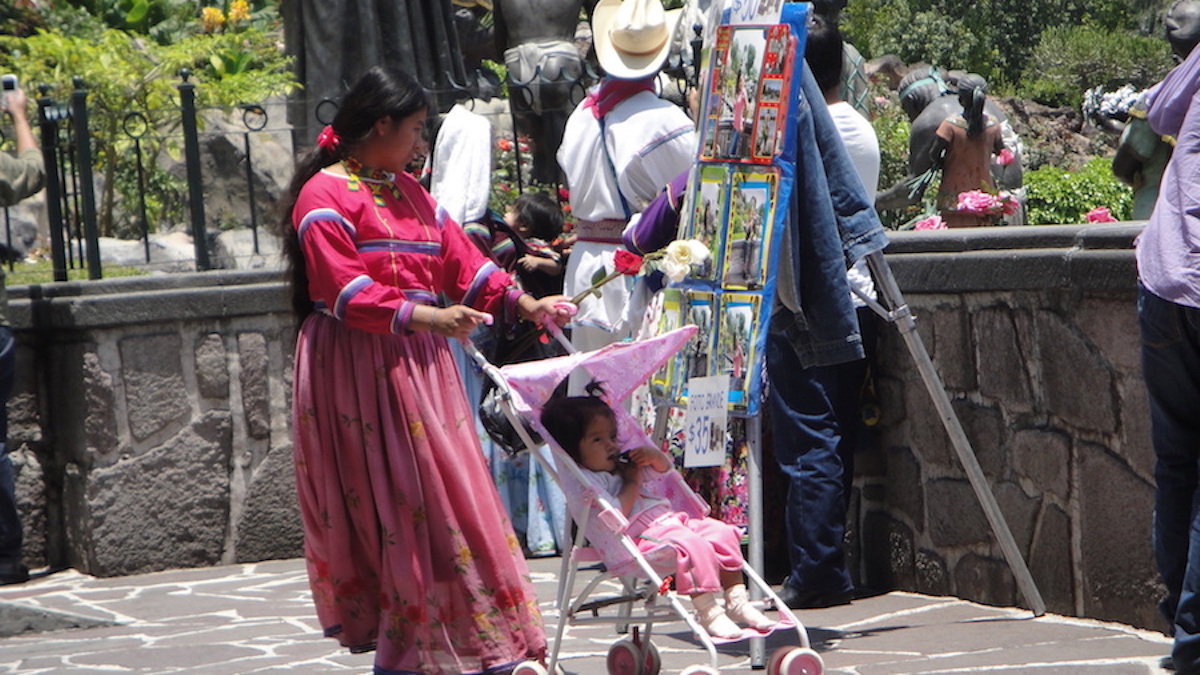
[{"x": 632, "y": 37}]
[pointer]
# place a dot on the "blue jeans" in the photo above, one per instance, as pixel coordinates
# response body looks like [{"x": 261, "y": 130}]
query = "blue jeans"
[
  {"x": 815, "y": 421},
  {"x": 10, "y": 520},
  {"x": 1171, "y": 367}
]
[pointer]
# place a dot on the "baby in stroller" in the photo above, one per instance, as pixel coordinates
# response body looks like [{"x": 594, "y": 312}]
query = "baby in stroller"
[{"x": 708, "y": 551}]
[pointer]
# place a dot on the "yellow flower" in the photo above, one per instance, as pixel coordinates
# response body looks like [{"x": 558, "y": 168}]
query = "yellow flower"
[
  {"x": 239, "y": 10},
  {"x": 212, "y": 19}
]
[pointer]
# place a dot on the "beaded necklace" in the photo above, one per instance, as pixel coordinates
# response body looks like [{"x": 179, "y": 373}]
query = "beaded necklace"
[{"x": 375, "y": 179}]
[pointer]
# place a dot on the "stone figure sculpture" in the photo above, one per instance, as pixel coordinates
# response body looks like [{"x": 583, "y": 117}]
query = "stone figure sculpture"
[
  {"x": 1142, "y": 155},
  {"x": 547, "y": 76},
  {"x": 333, "y": 43},
  {"x": 928, "y": 96}
]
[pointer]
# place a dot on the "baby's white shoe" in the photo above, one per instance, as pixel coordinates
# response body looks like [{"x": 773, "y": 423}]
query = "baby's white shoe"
[
  {"x": 739, "y": 608},
  {"x": 710, "y": 615}
]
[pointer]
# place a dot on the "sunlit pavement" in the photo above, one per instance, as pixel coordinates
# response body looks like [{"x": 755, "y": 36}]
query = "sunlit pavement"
[{"x": 258, "y": 618}]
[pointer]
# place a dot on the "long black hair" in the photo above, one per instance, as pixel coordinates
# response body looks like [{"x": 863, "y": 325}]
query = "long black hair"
[
  {"x": 382, "y": 91},
  {"x": 972, "y": 92},
  {"x": 566, "y": 418}
]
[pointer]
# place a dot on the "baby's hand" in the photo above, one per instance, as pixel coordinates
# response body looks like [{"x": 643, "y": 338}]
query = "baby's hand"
[{"x": 648, "y": 456}]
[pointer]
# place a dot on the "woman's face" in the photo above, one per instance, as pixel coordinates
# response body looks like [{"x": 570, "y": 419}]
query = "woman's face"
[
  {"x": 598, "y": 449},
  {"x": 399, "y": 141}
]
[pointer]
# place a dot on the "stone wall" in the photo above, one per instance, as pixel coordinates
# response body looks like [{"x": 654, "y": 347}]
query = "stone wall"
[
  {"x": 1034, "y": 334},
  {"x": 150, "y": 422}
]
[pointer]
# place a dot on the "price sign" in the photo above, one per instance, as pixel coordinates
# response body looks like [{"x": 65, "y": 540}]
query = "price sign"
[{"x": 705, "y": 422}]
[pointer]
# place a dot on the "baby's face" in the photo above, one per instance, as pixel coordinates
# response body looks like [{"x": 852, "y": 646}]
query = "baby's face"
[
  {"x": 599, "y": 450},
  {"x": 516, "y": 224}
]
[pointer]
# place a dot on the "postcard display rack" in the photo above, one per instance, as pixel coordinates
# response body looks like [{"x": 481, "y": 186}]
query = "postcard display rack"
[{"x": 737, "y": 206}]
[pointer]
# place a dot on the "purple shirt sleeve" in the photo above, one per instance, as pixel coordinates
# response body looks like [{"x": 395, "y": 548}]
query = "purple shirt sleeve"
[
  {"x": 1170, "y": 100},
  {"x": 659, "y": 221}
]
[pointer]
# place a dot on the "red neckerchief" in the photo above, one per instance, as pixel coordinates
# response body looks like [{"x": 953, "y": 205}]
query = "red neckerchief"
[{"x": 612, "y": 91}]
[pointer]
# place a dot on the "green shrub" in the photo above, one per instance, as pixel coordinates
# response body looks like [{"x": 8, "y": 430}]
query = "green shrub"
[
  {"x": 1070, "y": 60},
  {"x": 1059, "y": 197}
]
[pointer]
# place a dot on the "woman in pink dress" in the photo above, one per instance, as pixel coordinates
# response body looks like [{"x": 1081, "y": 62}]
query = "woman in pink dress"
[{"x": 409, "y": 552}]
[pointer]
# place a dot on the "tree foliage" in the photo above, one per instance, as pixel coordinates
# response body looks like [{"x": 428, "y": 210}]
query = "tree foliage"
[
  {"x": 995, "y": 38},
  {"x": 130, "y": 76},
  {"x": 1071, "y": 60}
]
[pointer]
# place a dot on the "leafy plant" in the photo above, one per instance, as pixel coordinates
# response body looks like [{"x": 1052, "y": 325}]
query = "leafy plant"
[
  {"x": 126, "y": 75},
  {"x": 1057, "y": 196},
  {"x": 1070, "y": 60}
]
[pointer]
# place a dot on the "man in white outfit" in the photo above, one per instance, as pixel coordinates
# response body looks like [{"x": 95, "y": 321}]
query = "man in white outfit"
[{"x": 621, "y": 145}]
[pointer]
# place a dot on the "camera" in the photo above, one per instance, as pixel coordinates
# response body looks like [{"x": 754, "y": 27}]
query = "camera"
[{"x": 7, "y": 83}]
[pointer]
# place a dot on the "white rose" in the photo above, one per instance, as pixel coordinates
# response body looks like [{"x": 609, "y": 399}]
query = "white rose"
[
  {"x": 679, "y": 252},
  {"x": 675, "y": 271},
  {"x": 699, "y": 251}
]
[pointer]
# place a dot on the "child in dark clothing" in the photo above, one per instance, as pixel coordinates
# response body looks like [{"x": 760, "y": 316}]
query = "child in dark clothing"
[{"x": 538, "y": 220}]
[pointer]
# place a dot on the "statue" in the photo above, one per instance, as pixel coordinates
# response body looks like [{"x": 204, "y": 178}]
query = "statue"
[
  {"x": 335, "y": 42},
  {"x": 929, "y": 97},
  {"x": 546, "y": 73},
  {"x": 1142, "y": 155}
]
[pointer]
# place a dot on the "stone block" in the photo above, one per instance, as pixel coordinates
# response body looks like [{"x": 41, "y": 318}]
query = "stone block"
[
  {"x": 100, "y": 421},
  {"x": 1051, "y": 563},
  {"x": 270, "y": 526},
  {"x": 985, "y": 429},
  {"x": 986, "y": 580},
  {"x": 1078, "y": 383},
  {"x": 1136, "y": 445},
  {"x": 888, "y": 544},
  {"x": 256, "y": 402},
  {"x": 1002, "y": 362},
  {"x": 30, "y": 484},
  {"x": 212, "y": 366},
  {"x": 904, "y": 487},
  {"x": 953, "y": 515},
  {"x": 932, "y": 575},
  {"x": 1105, "y": 322},
  {"x": 953, "y": 357},
  {"x": 890, "y": 396},
  {"x": 166, "y": 508},
  {"x": 1020, "y": 512},
  {"x": 1120, "y": 578},
  {"x": 154, "y": 387},
  {"x": 1044, "y": 457},
  {"x": 924, "y": 432}
]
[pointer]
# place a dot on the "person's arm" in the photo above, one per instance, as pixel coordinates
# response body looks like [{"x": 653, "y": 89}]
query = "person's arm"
[
  {"x": 658, "y": 224},
  {"x": 24, "y": 174},
  {"x": 1170, "y": 100}
]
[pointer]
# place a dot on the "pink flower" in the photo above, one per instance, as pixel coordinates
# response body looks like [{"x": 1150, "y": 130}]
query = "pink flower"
[
  {"x": 1100, "y": 214},
  {"x": 1005, "y": 157},
  {"x": 1008, "y": 205},
  {"x": 931, "y": 223},
  {"x": 976, "y": 202}
]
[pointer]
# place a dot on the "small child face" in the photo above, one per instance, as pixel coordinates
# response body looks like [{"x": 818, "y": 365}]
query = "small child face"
[
  {"x": 516, "y": 223},
  {"x": 598, "y": 449}
]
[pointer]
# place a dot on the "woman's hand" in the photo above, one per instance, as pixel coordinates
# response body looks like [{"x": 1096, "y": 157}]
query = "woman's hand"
[
  {"x": 457, "y": 321},
  {"x": 556, "y": 308}
]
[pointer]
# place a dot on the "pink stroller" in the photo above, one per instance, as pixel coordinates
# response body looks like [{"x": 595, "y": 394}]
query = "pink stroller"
[{"x": 524, "y": 388}]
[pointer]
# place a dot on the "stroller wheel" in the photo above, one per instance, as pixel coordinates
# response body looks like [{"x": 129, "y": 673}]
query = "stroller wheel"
[
  {"x": 795, "y": 661},
  {"x": 698, "y": 670},
  {"x": 651, "y": 658},
  {"x": 530, "y": 668},
  {"x": 625, "y": 658}
]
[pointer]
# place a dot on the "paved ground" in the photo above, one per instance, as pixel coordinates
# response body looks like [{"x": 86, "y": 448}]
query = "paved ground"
[{"x": 258, "y": 619}]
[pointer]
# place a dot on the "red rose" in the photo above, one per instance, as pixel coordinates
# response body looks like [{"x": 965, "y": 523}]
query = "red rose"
[
  {"x": 504, "y": 145},
  {"x": 627, "y": 263}
]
